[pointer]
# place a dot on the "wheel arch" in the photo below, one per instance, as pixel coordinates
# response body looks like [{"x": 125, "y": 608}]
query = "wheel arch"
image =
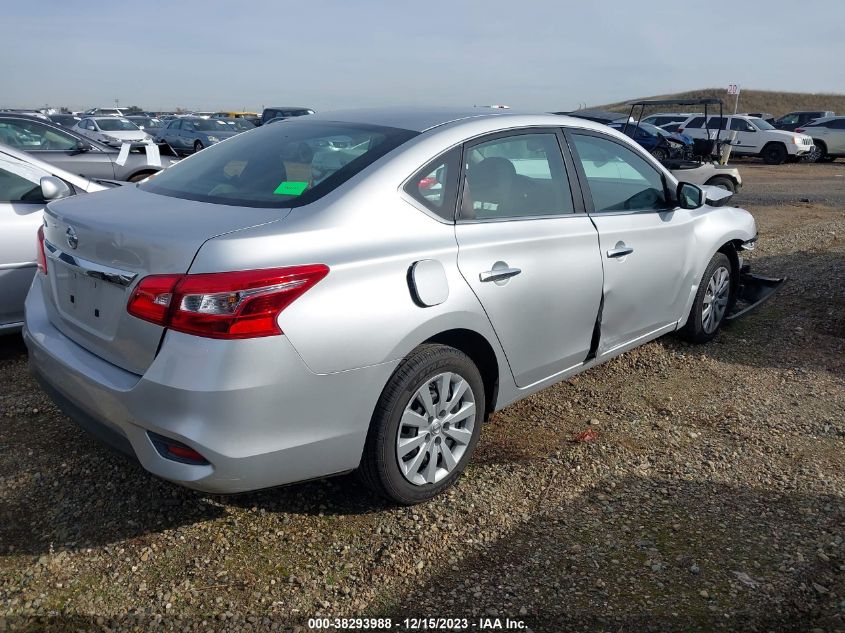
[
  {"x": 481, "y": 352},
  {"x": 731, "y": 250},
  {"x": 141, "y": 172}
]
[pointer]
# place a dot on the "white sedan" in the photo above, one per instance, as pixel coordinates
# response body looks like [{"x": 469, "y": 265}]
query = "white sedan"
[
  {"x": 111, "y": 130},
  {"x": 26, "y": 185}
]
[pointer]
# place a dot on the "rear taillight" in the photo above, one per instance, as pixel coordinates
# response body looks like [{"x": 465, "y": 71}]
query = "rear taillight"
[
  {"x": 242, "y": 304},
  {"x": 42, "y": 256},
  {"x": 680, "y": 130},
  {"x": 799, "y": 129}
]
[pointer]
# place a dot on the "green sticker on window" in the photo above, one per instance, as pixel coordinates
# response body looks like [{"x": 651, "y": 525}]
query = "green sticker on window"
[{"x": 291, "y": 188}]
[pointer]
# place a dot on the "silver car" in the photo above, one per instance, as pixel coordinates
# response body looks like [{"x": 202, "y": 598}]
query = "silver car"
[
  {"x": 111, "y": 130},
  {"x": 360, "y": 290},
  {"x": 26, "y": 185}
]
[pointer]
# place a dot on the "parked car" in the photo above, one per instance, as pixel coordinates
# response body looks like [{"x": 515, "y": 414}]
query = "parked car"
[
  {"x": 148, "y": 124},
  {"x": 73, "y": 152},
  {"x": 659, "y": 143},
  {"x": 663, "y": 118},
  {"x": 754, "y": 137},
  {"x": 189, "y": 135},
  {"x": 828, "y": 136},
  {"x": 283, "y": 112},
  {"x": 65, "y": 120},
  {"x": 110, "y": 130},
  {"x": 296, "y": 302},
  {"x": 26, "y": 185},
  {"x": 800, "y": 118}
]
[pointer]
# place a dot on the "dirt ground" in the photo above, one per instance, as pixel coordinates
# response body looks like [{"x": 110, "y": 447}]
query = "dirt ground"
[{"x": 712, "y": 499}]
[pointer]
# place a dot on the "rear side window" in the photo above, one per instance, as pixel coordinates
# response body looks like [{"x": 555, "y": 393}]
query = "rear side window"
[
  {"x": 435, "y": 186},
  {"x": 280, "y": 165},
  {"x": 515, "y": 176},
  {"x": 696, "y": 122},
  {"x": 741, "y": 125},
  {"x": 717, "y": 123}
]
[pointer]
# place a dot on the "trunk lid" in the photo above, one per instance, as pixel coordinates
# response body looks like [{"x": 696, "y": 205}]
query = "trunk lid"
[{"x": 99, "y": 247}]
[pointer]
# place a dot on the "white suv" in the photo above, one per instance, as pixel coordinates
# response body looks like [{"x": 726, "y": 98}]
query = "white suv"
[{"x": 754, "y": 137}]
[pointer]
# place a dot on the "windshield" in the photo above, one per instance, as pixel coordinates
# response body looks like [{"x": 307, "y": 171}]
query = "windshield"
[
  {"x": 210, "y": 125},
  {"x": 238, "y": 125},
  {"x": 760, "y": 124},
  {"x": 278, "y": 165},
  {"x": 147, "y": 122},
  {"x": 116, "y": 125}
]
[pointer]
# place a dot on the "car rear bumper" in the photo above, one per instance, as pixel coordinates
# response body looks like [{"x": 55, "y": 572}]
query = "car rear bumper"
[{"x": 251, "y": 408}]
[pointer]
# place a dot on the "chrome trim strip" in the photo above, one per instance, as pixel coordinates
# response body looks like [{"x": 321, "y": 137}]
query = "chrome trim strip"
[
  {"x": 17, "y": 265},
  {"x": 89, "y": 268}
]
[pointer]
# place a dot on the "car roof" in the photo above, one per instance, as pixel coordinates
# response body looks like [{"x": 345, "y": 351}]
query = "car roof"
[
  {"x": 288, "y": 108},
  {"x": 416, "y": 119}
]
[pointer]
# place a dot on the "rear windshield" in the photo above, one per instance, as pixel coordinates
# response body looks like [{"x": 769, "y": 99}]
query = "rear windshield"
[{"x": 279, "y": 165}]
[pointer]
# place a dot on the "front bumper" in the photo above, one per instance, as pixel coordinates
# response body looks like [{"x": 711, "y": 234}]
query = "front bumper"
[
  {"x": 252, "y": 408},
  {"x": 753, "y": 291}
]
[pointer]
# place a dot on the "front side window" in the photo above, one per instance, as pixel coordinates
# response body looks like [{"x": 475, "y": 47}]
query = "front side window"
[
  {"x": 618, "y": 178},
  {"x": 789, "y": 119},
  {"x": 34, "y": 136},
  {"x": 282, "y": 166},
  {"x": 435, "y": 186},
  {"x": 20, "y": 182},
  {"x": 515, "y": 176}
]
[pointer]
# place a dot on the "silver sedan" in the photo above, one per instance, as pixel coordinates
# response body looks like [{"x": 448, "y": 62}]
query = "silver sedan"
[
  {"x": 26, "y": 184},
  {"x": 360, "y": 290}
]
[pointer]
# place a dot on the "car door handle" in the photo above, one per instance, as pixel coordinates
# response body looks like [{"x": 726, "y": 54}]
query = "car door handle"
[
  {"x": 499, "y": 274},
  {"x": 620, "y": 251}
]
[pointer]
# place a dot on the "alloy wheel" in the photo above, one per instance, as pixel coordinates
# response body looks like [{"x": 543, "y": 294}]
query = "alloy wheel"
[
  {"x": 435, "y": 429},
  {"x": 716, "y": 299}
]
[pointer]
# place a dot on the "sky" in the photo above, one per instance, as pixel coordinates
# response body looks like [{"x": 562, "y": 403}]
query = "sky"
[{"x": 333, "y": 54}]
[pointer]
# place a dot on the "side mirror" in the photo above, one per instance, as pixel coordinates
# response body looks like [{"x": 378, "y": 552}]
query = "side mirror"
[
  {"x": 82, "y": 146},
  {"x": 690, "y": 196},
  {"x": 53, "y": 188}
]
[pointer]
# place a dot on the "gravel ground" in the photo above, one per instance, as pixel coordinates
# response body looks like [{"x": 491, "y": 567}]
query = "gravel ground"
[{"x": 711, "y": 498}]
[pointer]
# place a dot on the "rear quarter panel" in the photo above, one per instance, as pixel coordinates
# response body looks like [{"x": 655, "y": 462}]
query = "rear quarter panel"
[{"x": 363, "y": 313}]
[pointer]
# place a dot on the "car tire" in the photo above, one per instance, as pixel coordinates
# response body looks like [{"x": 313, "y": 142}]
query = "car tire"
[
  {"x": 660, "y": 154},
  {"x": 723, "y": 182},
  {"x": 774, "y": 154},
  {"x": 820, "y": 151},
  {"x": 408, "y": 412},
  {"x": 714, "y": 292},
  {"x": 198, "y": 146}
]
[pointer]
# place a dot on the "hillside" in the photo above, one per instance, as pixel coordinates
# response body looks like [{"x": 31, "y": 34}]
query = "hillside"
[{"x": 777, "y": 103}]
